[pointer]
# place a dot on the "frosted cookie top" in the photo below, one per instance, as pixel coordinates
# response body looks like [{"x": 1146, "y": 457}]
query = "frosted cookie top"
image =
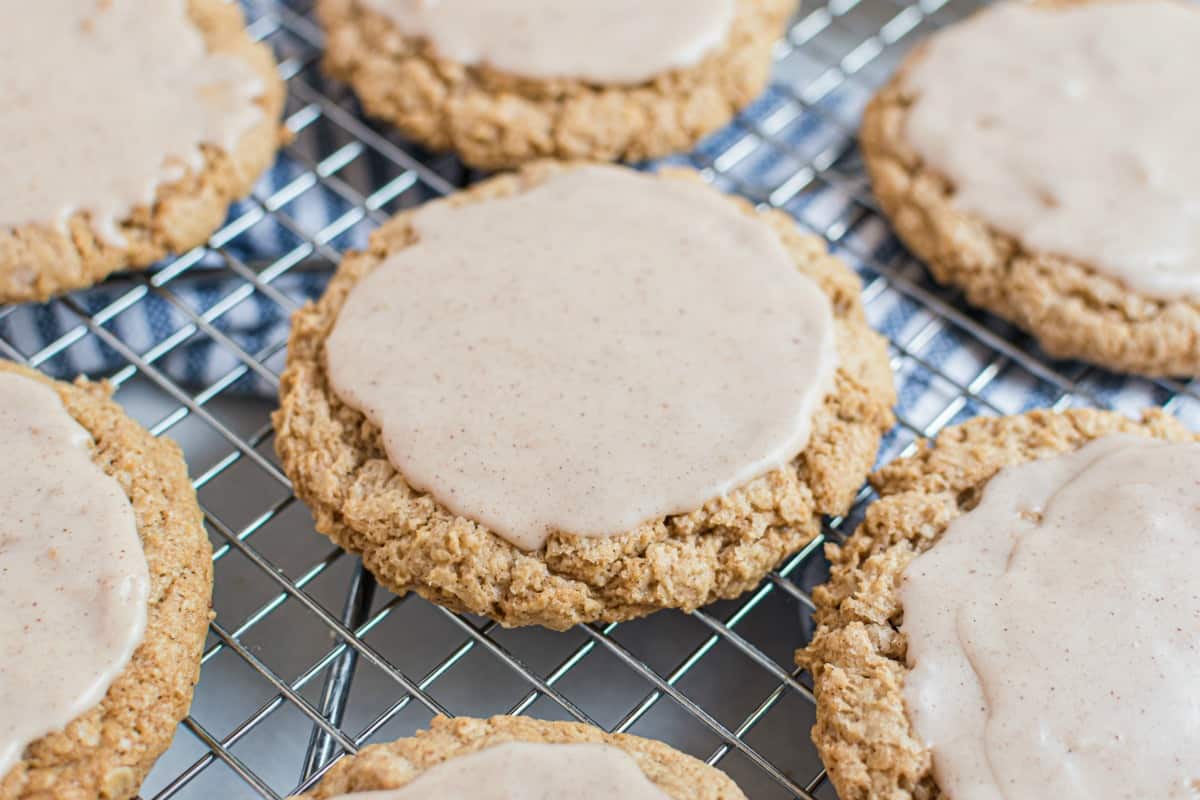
[
  {"x": 527, "y": 769},
  {"x": 603, "y": 41},
  {"x": 1054, "y": 630},
  {"x": 603, "y": 349},
  {"x": 106, "y": 100},
  {"x": 73, "y": 577},
  {"x": 1073, "y": 129}
]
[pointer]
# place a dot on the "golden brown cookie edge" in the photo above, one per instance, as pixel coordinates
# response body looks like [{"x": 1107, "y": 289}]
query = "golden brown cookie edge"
[
  {"x": 39, "y": 261},
  {"x": 857, "y": 655},
  {"x": 336, "y": 461},
  {"x": 107, "y": 751},
  {"x": 1072, "y": 309}
]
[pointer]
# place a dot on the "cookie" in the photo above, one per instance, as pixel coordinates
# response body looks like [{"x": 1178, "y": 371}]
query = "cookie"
[
  {"x": 336, "y": 459},
  {"x": 495, "y": 119},
  {"x": 107, "y": 751},
  {"x": 135, "y": 187},
  {"x": 391, "y": 766},
  {"x": 857, "y": 656},
  {"x": 1007, "y": 201}
]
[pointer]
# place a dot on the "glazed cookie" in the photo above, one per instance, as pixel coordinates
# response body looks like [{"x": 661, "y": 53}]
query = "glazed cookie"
[
  {"x": 566, "y": 353},
  {"x": 1037, "y": 197},
  {"x": 1064, "y": 487},
  {"x": 128, "y": 131},
  {"x": 494, "y": 749},
  {"x": 510, "y": 83},
  {"x": 147, "y": 609}
]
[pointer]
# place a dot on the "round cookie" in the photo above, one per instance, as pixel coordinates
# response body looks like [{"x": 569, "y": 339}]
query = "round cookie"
[
  {"x": 391, "y": 766},
  {"x": 38, "y": 261},
  {"x": 1070, "y": 307},
  {"x": 107, "y": 751},
  {"x": 495, "y": 120},
  {"x": 857, "y": 656},
  {"x": 339, "y": 467}
]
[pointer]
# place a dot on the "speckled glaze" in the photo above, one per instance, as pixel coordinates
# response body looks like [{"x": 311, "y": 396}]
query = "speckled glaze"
[
  {"x": 1082, "y": 144},
  {"x": 529, "y": 770},
  {"x": 106, "y": 101},
  {"x": 1054, "y": 630},
  {"x": 601, "y": 350},
  {"x": 73, "y": 577}
]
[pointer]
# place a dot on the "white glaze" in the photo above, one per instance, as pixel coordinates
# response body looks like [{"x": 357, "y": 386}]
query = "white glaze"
[
  {"x": 1054, "y": 630},
  {"x": 604, "y": 41},
  {"x": 602, "y": 350},
  {"x": 73, "y": 578},
  {"x": 104, "y": 101},
  {"x": 1074, "y": 130}
]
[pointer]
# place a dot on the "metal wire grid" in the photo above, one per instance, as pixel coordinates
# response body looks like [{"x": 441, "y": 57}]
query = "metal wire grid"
[{"x": 306, "y": 661}]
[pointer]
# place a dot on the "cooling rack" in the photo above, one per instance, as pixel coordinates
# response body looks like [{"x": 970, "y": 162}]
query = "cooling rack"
[{"x": 306, "y": 660}]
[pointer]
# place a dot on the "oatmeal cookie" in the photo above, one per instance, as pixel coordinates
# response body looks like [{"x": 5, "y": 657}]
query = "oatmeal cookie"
[
  {"x": 391, "y": 766},
  {"x": 495, "y": 120},
  {"x": 1070, "y": 307},
  {"x": 107, "y": 751},
  {"x": 857, "y": 656},
  {"x": 38, "y": 261},
  {"x": 337, "y": 462}
]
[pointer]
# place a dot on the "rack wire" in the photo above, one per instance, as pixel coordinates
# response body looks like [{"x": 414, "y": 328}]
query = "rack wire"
[{"x": 306, "y": 660}]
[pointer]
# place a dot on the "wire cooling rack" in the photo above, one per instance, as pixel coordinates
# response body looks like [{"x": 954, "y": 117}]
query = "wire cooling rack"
[{"x": 306, "y": 659}]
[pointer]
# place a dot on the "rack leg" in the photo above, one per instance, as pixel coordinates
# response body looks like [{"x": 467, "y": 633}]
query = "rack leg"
[{"x": 336, "y": 690}]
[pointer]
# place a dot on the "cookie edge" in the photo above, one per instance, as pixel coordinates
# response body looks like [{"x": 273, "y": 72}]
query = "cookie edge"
[
  {"x": 495, "y": 120},
  {"x": 167, "y": 512},
  {"x": 39, "y": 261},
  {"x": 1071, "y": 308},
  {"x": 846, "y": 434},
  {"x": 393, "y": 765},
  {"x": 857, "y": 655}
]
